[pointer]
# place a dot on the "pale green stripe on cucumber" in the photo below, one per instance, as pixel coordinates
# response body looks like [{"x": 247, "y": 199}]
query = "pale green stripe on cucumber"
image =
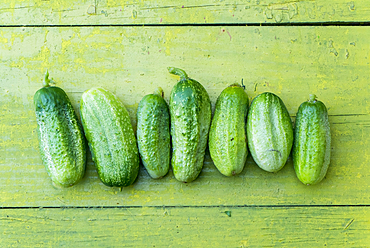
[
  {"x": 110, "y": 137},
  {"x": 269, "y": 132}
]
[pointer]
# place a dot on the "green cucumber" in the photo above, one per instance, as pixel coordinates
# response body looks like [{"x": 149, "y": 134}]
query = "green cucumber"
[
  {"x": 269, "y": 132},
  {"x": 190, "y": 111},
  {"x": 312, "y": 141},
  {"x": 110, "y": 137},
  {"x": 227, "y": 136},
  {"x": 61, "y": 140},
  {"x": 153, "y": 134}
]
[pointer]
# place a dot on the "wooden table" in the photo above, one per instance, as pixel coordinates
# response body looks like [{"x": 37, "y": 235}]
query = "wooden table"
[{"x": 289, "y": 48}]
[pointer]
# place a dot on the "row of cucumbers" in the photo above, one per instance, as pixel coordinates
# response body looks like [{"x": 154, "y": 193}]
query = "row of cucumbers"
[{"x": 265, "y": 128}]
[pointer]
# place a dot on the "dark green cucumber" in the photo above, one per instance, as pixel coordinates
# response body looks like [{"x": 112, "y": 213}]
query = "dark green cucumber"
[
  {"x": 153, "y": 134},
  {"x": 61, "y": 140},
  {"x": 190, "y": 111},
  {"x": 312, "y": 140},
  {"x": 269, "y": 132},
  {"x": 110, "y": 137},
  {"x": 227, "y": 136}
]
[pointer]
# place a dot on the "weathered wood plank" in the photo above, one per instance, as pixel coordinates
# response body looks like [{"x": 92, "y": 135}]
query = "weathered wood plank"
[
  {"x": 24, "y": 181},
  {"x": 332, "y": 62},
  {"x": 186, "y": 227},
  {"x": 89, "y": 12}
]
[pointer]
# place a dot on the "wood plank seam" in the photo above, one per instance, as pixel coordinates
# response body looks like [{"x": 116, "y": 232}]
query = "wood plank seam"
[
  {"x": 192, "y": 206},
  {"x": 252, "y": 24}
]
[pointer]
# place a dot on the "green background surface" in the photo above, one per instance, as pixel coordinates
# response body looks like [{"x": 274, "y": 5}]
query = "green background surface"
[{"x": 126, "y": 47}]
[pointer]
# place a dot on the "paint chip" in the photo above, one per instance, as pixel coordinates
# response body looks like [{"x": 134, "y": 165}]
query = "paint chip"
[
  {"x": 351, "y": 6},
  {"x": 91, "y": 10},
  {"x": 134, "y": 14}
]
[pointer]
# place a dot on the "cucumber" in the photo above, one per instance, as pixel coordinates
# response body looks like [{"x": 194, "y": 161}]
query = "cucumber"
[
  {"x": 312, "y": 142},
  {"x": 61, "y": 140},
  {"x": 269, "y": 132},
  {"x": 153, "y": 134},
  {"x": 227, "y": 136},
  {"x": 110, "y": 137},
  {"x": 190, "y": 111}
]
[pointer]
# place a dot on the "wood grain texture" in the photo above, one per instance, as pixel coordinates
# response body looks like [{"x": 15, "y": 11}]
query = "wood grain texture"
[
  {"x": 332, "y": 62},
  {"x": 253, "y": 209},
  {"x": 186, "y": 227},
  {"x": 102, "y": 12}
]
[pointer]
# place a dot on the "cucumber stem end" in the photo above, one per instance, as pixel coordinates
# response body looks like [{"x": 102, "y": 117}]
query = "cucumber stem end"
[
  {"x": 235, "y": 85},
  {"x": 159, "y": 91},
  {"x": 178, "y": 72},
  {"x": 46, "y": 82},
  {"x": 312, "y": 98}
]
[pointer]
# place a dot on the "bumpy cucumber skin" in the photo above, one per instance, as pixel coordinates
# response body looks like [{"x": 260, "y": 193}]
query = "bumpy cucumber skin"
[
  {"x": 312, "y": 142},
  {"x": 61, "y": 139},
  {"x": 269, "y": 132},
  {"x": 190, "y": 111},
  {"x": 227, "y": 136},
  {"x": 110, "y": 137},
  {"x": 153, "y": 135}
]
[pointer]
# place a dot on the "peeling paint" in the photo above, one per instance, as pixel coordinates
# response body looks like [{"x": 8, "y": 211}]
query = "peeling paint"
[
  {"x": 69, "y": 12},
  {"x": 91, "y": 10},
  {"x": 332, "y": 48},
  {"x": 280, "y": 12}
]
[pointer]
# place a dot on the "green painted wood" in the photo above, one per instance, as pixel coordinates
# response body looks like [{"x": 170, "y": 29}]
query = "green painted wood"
[
  {"x": 186, "y": 227},
  {"x": 332, "y": 62},
  {"x": 92, "y": 12}
]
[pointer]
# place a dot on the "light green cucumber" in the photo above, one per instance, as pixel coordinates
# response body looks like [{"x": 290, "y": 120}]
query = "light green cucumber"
[
  {"x": 190, "y": 111},
  {"x": 269, "y": 132},
  {"x": 61, "y": 140},
  {"x": 227, "y": 136},
  {"x": 153, "y": 134},
  {"x": 110, "y": 137},
  {"x": 312, "y": 141}
]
